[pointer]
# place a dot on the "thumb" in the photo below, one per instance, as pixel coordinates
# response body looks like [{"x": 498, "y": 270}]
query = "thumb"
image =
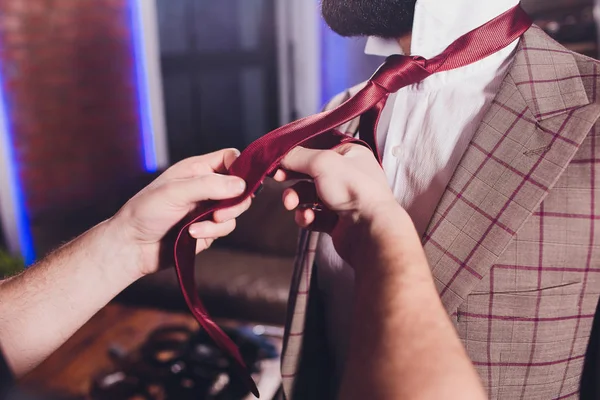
[
  {"x": 310, "y": 162},
  {"x": 185, "y": 192}
]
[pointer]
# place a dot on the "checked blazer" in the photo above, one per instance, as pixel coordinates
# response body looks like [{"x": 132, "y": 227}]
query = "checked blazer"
[{"x": 514, "y": 244}]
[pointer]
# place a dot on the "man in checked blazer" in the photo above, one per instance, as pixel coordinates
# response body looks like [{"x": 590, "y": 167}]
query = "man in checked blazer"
[{"x": 498, "y": 165}]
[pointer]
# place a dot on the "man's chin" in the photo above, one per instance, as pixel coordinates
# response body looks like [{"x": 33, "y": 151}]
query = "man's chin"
[{"x": 368, "y": 33}]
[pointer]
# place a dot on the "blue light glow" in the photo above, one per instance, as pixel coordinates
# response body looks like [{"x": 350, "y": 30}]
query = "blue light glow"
[
  {"x": 17, "y": 200},
  {"x": 141, "y": 73},
  {"x": 334, "y": 64}
]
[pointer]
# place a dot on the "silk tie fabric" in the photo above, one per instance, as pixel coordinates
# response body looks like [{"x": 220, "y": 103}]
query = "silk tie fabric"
[{"x": 262, "y": 157}]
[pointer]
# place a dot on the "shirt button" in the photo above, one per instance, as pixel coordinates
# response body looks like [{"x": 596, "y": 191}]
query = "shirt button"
[{"x": 397, "y": 151}]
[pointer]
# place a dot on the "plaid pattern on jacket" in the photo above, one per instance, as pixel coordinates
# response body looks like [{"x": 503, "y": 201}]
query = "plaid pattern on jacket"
[{"x": 513, "y": 243}]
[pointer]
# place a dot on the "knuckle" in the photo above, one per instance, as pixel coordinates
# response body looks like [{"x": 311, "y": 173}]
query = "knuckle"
[
  {"x": 360, "y": 149},
  {"x": 324, "y": 159},
  {"x": 213, "y": 183}
]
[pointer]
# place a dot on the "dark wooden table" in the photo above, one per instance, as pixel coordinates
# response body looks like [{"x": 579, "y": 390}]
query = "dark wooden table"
[{"x": 70, "y": 369}]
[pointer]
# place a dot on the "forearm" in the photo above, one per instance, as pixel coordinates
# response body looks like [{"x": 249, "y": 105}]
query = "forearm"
[
  {"x": 41, "y": 308},
  {"x": 403, "y": 345}
]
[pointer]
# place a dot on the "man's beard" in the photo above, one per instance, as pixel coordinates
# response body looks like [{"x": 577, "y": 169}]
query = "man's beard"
[{"x": 383, "y": 18}]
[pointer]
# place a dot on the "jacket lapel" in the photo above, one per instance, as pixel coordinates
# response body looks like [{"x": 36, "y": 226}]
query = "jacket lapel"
[
  {"x": 538, "y": 120},
  {"x": 542, "y": 113},
  {"x": 304, "y": 364}
]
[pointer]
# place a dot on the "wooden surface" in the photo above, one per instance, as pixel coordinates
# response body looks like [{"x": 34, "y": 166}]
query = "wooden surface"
[{"x": 70, "y": 369}]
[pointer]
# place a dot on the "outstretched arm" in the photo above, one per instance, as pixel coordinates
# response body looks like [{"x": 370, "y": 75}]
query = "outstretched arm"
[{"x": 42, "y": 307}]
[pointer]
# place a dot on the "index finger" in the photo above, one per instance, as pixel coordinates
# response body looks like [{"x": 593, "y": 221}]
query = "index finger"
[{"x": 218, "y": 161}]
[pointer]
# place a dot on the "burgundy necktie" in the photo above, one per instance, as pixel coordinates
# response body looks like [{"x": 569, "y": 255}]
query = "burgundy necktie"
[{"x": 262, "y": 158}]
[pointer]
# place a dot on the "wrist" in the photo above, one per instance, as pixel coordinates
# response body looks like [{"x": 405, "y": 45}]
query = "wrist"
[
  {"x": 386, "y": 227},
  {"x": 127, "y": 251},
  {"x": 390, "y": 241},
  {"x": 388, "y": 221}
]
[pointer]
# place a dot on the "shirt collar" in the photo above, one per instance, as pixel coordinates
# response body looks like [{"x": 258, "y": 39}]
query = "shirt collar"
[{"x": 439, "y": 23}]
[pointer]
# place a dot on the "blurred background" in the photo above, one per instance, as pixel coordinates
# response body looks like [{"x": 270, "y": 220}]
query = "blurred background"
[{"x": 97, "y": 97}]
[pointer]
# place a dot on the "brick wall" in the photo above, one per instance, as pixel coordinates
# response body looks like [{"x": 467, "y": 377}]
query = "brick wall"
[{"x": 69, "y": 76}]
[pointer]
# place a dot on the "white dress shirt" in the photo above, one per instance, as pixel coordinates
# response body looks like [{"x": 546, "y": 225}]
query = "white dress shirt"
[{"x": 423, "y": 133}]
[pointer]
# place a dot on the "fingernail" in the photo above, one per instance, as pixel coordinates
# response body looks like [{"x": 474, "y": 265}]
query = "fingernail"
[
  {"x": 238, "y": 184},
  {"x": 237, "y": 152}
]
